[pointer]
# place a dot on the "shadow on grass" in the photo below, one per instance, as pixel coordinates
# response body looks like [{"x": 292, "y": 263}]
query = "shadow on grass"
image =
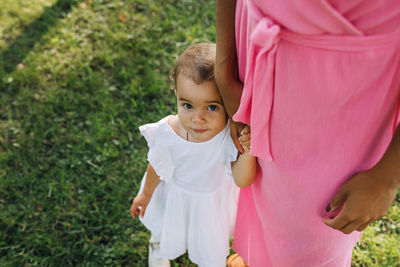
[{"x": 32, "y": 34}]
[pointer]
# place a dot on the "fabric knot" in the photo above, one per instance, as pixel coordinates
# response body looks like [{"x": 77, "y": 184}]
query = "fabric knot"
[{"x": 265, "y": 34}]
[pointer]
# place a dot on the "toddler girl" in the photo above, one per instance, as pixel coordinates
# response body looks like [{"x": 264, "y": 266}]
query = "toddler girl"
[{"x": 187, "y": 198}]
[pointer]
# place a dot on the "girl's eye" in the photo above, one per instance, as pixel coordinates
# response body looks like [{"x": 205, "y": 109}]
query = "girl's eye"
[
  {"x": 187, "y": 106},
  {"x": 212, "y": 107}
]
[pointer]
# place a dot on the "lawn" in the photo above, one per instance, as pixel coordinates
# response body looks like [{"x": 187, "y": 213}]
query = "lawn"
[{"x": 77, "y": 77}]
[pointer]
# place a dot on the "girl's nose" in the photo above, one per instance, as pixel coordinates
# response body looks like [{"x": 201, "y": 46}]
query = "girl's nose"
[{"x": 198, "y": 116}]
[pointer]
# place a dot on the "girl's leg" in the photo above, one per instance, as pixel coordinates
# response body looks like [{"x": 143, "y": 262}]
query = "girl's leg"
[{"x": 154, "y": 248}]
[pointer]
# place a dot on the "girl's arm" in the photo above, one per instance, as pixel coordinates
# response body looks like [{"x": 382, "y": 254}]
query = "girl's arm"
[
  {"x": 245, "y": 168},
  {"x": 140, "y": 202}
]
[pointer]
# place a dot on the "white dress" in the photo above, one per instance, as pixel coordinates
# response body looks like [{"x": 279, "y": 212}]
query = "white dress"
[{"x": 194, "y": 206}]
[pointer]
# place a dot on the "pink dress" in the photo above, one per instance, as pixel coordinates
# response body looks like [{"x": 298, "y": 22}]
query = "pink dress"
[{"x": 322, "y": 96}]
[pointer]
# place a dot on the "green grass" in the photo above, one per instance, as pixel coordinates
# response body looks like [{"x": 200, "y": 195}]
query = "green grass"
[{"x": 77, "y": 77}]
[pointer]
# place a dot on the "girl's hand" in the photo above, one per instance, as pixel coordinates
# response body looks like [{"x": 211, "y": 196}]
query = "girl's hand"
[
  {"x": 245, "y": 138},
  {"x": 365, "y": 198},
  {"x": 139, "y": 205}
]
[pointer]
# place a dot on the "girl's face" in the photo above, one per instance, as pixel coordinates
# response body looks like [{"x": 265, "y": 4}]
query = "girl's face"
[{"x": 200, "y": 109}]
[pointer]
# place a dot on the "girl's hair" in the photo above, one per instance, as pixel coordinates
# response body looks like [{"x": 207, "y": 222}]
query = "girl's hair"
[{"x": 196, "y": 62}]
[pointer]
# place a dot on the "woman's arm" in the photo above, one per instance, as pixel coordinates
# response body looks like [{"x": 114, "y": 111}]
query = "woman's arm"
[
  {"x": 368, "y": 195},
  {"x": 390, "y": 162},
  {"x": 226, "y": 72},
  {"x": 140, "y": 202}
]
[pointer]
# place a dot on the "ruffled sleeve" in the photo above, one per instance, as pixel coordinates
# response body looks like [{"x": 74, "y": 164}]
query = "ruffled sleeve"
[{"x": 158, "y": 156}]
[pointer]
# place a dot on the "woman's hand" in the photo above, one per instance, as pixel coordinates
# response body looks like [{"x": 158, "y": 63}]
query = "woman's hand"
[
  {"x": 364, "y": 199},
  {"x": 368, "y": 195},
  {"x": 236, "y": 128},
  {"x": 139, "y": 205}
]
